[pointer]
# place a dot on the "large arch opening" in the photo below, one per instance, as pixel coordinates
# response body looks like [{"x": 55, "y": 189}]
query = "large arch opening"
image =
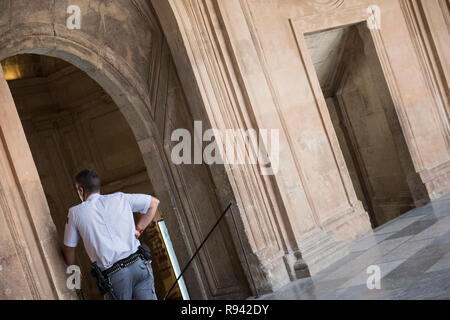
[
  {"x": 71, "y": 123},
  {"x": 189, "y": 212}
]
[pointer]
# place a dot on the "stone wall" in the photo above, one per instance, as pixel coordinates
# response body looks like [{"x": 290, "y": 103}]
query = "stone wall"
[
  {"x": 251, "y": 57},
  {"x": 245, "y": 64}
]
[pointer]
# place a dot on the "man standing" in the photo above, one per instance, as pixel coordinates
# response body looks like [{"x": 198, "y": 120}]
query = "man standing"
[{"x": 110, "y": 236}]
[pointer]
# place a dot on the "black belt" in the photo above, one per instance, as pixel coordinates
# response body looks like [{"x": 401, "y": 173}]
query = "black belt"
[{"x": 122, "y": 264}]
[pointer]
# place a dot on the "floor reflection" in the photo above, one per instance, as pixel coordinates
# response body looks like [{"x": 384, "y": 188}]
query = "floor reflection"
[{"x": 412, "y": 253}]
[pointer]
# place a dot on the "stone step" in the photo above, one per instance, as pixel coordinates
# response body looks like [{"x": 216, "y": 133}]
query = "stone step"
[
  {"x": 320, "y": 247},
  {"x": 321, "y": 250},
  {"x": 313, "y": 242},
  {"x": 328, "y": 252},
  {"x": 327, "y": 257}
]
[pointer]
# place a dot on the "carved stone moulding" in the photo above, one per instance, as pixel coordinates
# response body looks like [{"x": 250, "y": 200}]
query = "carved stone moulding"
[{"x": 325, "y": 5}]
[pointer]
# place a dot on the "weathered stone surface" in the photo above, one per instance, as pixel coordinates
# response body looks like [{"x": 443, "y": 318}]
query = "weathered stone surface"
[{"x": 238, "y": 64}]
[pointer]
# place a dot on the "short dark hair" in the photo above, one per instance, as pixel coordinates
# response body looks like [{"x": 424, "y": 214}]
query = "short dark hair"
[{"x": 89, "y": 180}]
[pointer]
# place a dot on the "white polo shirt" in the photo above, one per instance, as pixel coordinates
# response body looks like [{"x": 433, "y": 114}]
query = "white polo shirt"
[{"x": 106, "y": 225}]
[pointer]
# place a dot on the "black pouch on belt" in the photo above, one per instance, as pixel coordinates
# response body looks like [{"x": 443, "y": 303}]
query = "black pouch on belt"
[
  {"x": 102, "y": 282},
  {"x": 144, "y": 251}
]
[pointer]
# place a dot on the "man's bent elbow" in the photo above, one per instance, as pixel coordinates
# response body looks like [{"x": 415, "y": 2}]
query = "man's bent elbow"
[{"x": 155, "y": 202}]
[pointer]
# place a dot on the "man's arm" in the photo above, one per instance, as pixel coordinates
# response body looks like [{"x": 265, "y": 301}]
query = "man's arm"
[
  {"x": 147, "y": 218},
  {"x": 71, "y": 237},
  {"x": 69, "y": 255}
]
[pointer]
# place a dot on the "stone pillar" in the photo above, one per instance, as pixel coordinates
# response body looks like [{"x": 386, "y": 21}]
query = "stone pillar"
[
  {"x": 270, "y": 239},
  {"x": 428, "y": 24},
  {"x": 278, "y": 213},
  {"x": 31, "y": 263}
]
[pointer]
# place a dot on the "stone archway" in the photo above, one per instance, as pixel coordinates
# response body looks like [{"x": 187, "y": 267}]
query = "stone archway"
[{"x": 145, "y": 87}]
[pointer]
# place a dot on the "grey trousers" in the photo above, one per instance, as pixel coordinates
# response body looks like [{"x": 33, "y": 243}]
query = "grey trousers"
[{"x": 134, "y": 282}]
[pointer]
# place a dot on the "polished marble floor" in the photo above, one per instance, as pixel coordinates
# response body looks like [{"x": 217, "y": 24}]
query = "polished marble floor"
[{"x": 412, "y": 253}]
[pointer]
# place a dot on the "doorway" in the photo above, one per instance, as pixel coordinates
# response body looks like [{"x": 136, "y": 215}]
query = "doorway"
[
  {"x": 365, "y": 121},
  {"x": 71, "y": 123}
]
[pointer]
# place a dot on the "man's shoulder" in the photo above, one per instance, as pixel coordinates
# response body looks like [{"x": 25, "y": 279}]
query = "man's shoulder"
[
  {"x": 75, "y": 208},
  {"x": 113, "y": 195},
  {"x": 113, "y": 199},
  {"x": 73, "y": 213}
]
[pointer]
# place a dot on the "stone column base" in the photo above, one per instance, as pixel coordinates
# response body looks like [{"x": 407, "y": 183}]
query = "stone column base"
[
  {"x": 350, "y": 224},
  {"x": 325, "y": 246},
  {"x": 437, "y": 180}
]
